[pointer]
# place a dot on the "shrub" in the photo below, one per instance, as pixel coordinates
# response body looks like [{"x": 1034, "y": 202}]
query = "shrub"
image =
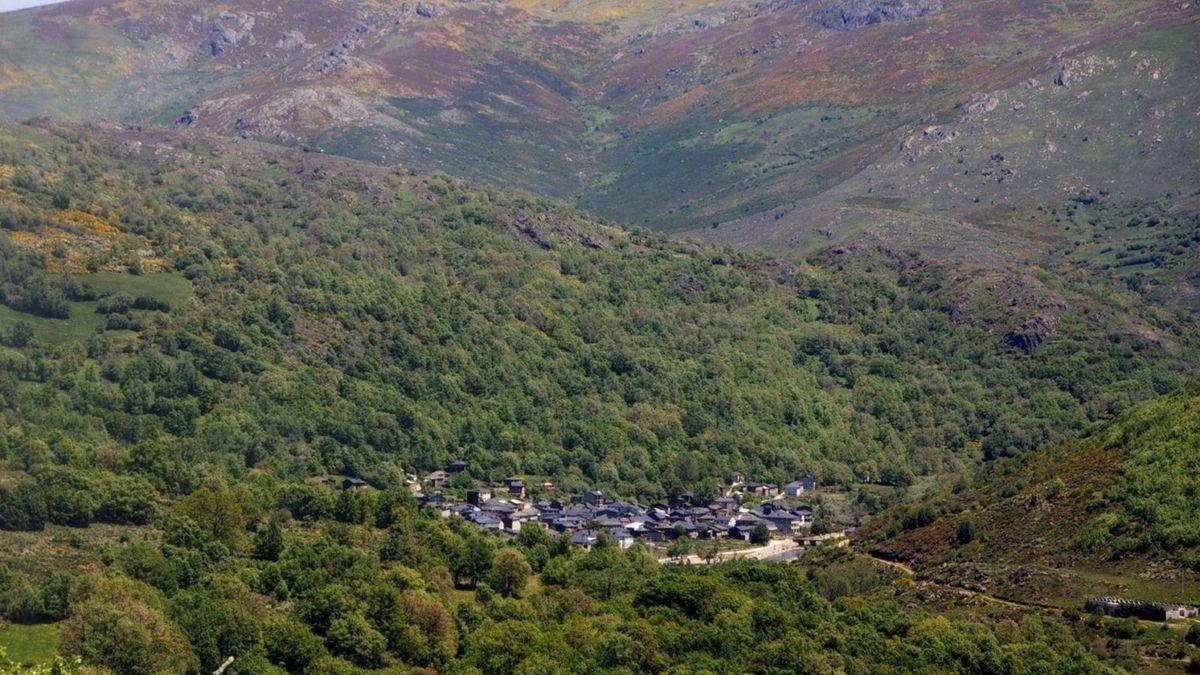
[{"x": 965, "y": 533}]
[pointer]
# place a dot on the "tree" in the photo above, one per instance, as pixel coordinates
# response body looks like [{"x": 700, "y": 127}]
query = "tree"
[
  {"x": 356, "y": 638},
  {"x": 55, "y": 596},
  {"x": 268, "y": 541},
  {"x": 221, "y": 512},
  {"x": 125, "y": 500},
  {"x": 21, "y": 334},
  {"x": 500, "y": 646},
  {"x": 19, "y": 600},
  {"x": 679, "y": 547},
  {"x": 760, "y": 534},
  {"x": 291, "y": 644},
  {"x": 22, "y": 507},
  {"x": 70, "y": 499},
  {"x": 417, "y": 625},
  {"x": 472, "y": 559},
  {"x": 219, "y": 623},
  {"x": 510, "y": 572},
  {"x": 29, "y": 452},
  {"x": 709, "y": 552},
  {"x": 119, "y": 624}
]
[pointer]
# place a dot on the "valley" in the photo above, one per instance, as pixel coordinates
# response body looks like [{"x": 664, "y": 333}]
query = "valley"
[{"x": 589, "y": 336}]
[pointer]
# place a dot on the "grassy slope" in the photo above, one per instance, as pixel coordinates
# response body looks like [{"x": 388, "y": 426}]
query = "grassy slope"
[
  {"x": 1039, "y": 144},
  {"x": 1115, "y": 512},
  {"x": 85, "y": 321},
  {"x": 726, "y": 106},
  {"x": 28, "y": 644}
]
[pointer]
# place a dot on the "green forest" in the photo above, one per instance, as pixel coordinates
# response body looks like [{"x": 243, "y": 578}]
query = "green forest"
[
  {"x": 364, "y": 582},
  {"x": 192, "y": 329},
  {"x": 352, "y": 320}
]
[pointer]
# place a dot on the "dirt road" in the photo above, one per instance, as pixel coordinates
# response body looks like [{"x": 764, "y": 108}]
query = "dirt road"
[{"x": 779, "y": 550}]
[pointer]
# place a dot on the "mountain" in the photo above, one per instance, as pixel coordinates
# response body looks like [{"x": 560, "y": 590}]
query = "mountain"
[
  {"x": 1113, "y": 513},
  {"x": 372, "y": 319},
  {"x": 790, "y": 123},
  {"x": 263, "y": 265}
]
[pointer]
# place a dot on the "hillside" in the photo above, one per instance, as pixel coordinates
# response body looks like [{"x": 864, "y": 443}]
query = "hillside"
[
  {"x": 586, "y": 336},
  {"x": 1073, "y": 170},
  {"x": 1112, "y": 513},
  {"x": 202, "y": 337},
  {"x": 339, "y": 315},
  {"x": 777, "y": 118}
]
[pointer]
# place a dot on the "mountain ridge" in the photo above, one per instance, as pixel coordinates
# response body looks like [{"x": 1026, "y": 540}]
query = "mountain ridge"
[{"x": 644, "y": 115}]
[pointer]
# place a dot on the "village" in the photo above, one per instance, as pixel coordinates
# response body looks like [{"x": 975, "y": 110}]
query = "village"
[{"x": 747, "y": 512}]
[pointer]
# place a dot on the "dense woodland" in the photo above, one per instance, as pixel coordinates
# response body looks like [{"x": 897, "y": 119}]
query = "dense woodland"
[
  {"x": 338, "y": 319},
  {"x": 362, "y": 581},
  {"x": 349, "y": 320}
]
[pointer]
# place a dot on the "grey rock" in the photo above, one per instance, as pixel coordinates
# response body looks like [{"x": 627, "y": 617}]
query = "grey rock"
[
  {"x": 851, "y": 14},
  {"x": 293, "y": 39},
  {"x": 430, "y": 10},
  {"x": 1032, "y": 333}
]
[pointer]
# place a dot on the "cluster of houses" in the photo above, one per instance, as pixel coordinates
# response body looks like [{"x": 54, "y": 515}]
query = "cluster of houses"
[{"x": 586, "y": 518}]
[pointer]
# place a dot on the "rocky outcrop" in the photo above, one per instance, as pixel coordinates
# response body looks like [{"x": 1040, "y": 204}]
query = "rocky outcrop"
[
  {"x": 1032, "y": 333},
  {"x": 536, "y": 229},
  {"x": 1072, "y": 71},
  {"x": 851, "y": 14},
  {"x": 283, "y": 117},
  {"x": 429, "y": 10},
  {"x": 981, "y": 104},
  {"x": 293, "y": 39},
  {"x": 689, "y": 285},
  {"x": 933, "y": 138},
  {"x": 228, "y": 30}
]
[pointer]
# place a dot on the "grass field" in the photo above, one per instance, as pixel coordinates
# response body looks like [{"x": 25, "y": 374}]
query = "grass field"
[
  {"x": 30, "y": 644},
  {"x": 84, "y": 320}
]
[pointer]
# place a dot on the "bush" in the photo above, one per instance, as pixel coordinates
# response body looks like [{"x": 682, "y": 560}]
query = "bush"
[
  {"x": 1125, "y": 629},
  {"x": 919, "y": 518},
  {"x": 1193, "y": 635},
  {"x": 965, "y": 533},
  {"x": 20, "y": 335}
]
